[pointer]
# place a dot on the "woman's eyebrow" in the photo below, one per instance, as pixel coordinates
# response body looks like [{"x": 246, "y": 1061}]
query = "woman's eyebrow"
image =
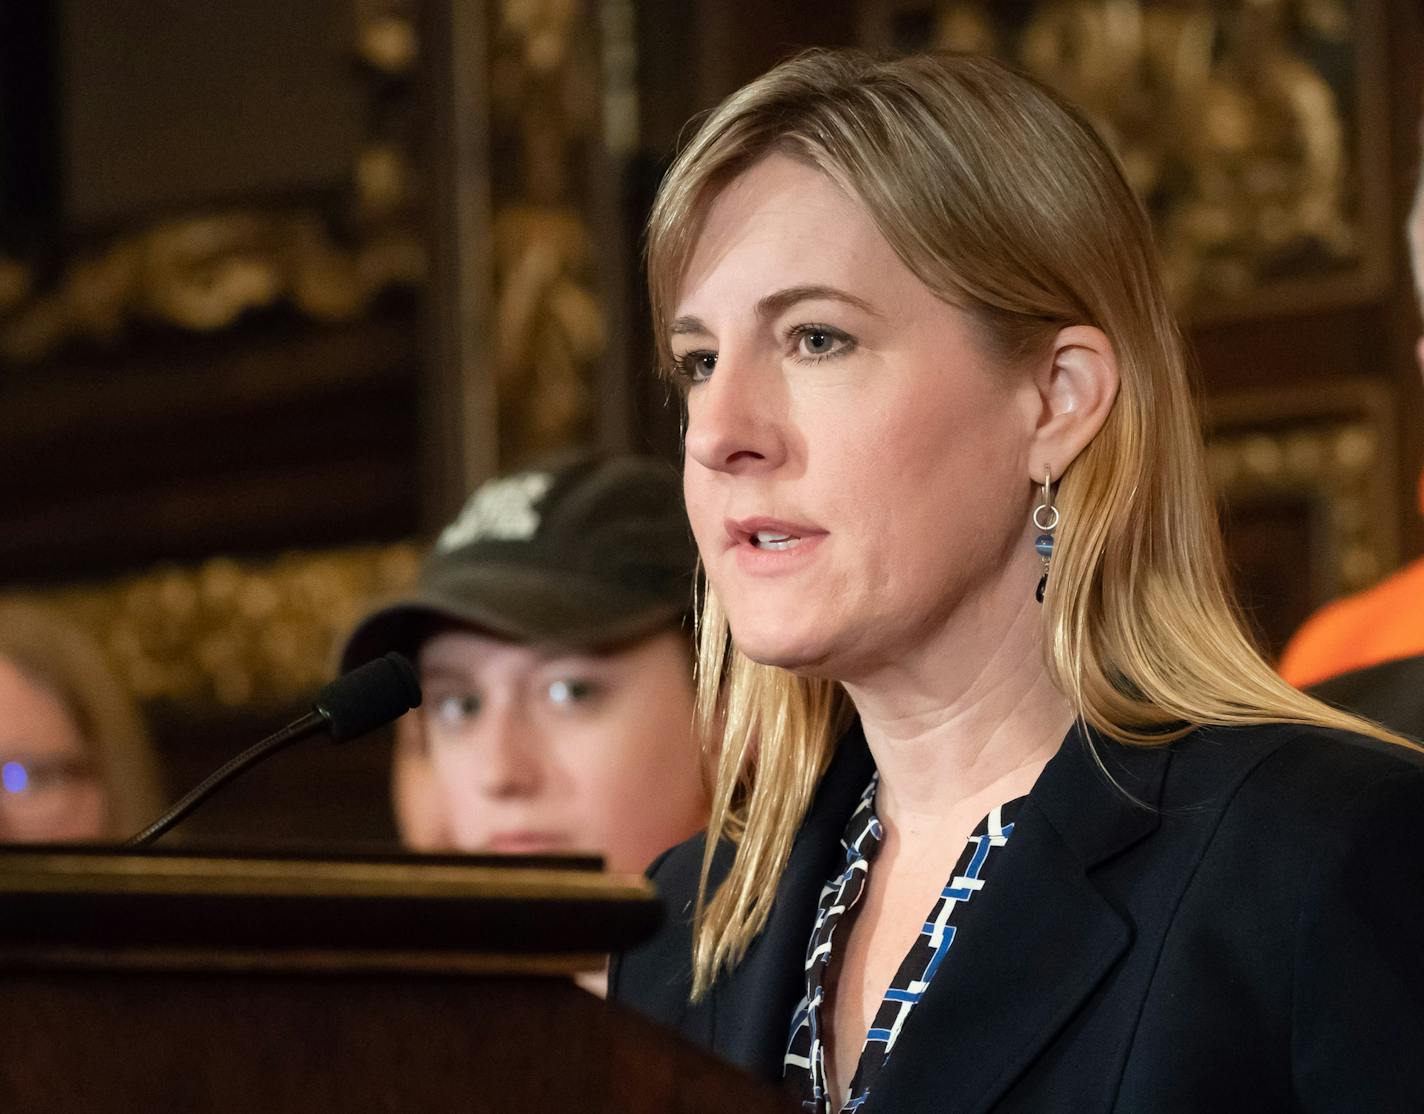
[
  {"x": 777, "y": 303},
  {"x": 782, "y": 300},
  {"x": 688, "y": 326}
]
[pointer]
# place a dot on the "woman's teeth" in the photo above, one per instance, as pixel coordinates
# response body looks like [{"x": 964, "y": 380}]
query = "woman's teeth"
[{"x": 769, "y": 539}]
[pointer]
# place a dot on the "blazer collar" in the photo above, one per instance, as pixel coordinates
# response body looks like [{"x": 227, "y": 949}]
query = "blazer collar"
[
  {"x": 1101, "y": 797},
  {"x": 751, "y": 1008},
  {"x": 1041, "y": 941},
  {"x": 1042, "y": 938}
]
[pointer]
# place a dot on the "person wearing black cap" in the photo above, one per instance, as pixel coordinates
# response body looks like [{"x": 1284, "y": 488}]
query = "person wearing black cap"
[{"x": 550, "y": 627}]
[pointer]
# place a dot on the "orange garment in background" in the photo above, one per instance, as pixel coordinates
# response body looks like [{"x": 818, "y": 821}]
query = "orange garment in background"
[{"x": 1377, "y": 625}]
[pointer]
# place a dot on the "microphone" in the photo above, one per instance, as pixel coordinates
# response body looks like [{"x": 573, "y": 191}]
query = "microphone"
[
  {"x": 368, "y": 697},
  {"x": 358, "y": 702}
]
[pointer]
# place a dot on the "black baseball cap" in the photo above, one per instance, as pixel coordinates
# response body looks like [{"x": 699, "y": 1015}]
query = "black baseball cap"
[{"x": 590, "y": 554}]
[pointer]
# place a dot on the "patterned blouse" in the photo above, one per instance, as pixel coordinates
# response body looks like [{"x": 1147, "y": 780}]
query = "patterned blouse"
[{"x": 804, "y": 1068}]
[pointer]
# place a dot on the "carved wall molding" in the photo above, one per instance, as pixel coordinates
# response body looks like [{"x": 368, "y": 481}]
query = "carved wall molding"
[
  {"x": 201, "y": 271},
  {"x": 229, "y": 633},
  {"x": 1252, "y": 128},
  {"x": 550, "y": 319},
  {"x": 1333, "y": 449}
]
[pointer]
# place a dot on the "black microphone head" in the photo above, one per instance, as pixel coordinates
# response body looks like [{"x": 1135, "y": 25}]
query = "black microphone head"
[{"x": 368, "y": 697}]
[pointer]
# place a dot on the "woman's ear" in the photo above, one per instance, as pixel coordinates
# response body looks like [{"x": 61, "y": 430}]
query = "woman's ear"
[{"x": 1076, "y": 390}]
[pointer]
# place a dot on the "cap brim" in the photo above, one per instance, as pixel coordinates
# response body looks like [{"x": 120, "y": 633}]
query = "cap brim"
[{"x": 516, "y": 603}]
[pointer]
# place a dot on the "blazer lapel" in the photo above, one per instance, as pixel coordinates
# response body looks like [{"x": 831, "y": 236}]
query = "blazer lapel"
[
  {"x": 751, "y": 1009},
  {"x": 1042, "y": 939}
]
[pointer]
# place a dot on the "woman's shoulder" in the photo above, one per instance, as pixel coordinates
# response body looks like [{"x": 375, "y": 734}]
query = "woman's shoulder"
[
  {"x": 676, "y": 873},
  {"x": 656, "y": 976},
  {"x": 1283, "y": 768}
]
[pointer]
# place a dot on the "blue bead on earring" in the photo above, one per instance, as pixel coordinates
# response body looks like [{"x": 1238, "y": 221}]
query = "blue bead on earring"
[{"x": 1045, "y": 517}]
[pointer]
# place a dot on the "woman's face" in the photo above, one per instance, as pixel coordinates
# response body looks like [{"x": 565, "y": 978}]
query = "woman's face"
[
  {"x": 856, "y": 466},
  {"x": 523, "y": 750},
  {"x": 48, "y": 788}
]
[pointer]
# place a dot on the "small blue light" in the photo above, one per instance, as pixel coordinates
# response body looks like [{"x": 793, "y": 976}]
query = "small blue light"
[{"x": 14, "y": 777}]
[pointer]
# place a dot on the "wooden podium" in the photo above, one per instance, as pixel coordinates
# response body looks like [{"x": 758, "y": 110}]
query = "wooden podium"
[{"x": 183, "y": 982}]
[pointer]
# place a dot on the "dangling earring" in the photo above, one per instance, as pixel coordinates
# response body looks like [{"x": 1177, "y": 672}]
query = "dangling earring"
[{"x": 1045, "y": 517}]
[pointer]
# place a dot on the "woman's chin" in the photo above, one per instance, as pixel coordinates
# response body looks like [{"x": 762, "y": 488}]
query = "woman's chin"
[{"x": 783, "y": 649}]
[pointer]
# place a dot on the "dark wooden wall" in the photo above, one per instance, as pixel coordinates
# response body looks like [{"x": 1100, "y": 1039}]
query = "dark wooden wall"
[{"x": 175, "y": 174}]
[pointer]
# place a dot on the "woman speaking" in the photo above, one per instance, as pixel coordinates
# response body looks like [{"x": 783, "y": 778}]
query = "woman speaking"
[{"x": 1009, "y": 814}]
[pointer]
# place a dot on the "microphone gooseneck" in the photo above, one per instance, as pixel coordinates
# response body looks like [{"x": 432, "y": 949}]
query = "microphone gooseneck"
[{"x": 358, "y": 702}]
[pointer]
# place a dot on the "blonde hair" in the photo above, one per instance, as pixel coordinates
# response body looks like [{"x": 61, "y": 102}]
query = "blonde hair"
[
  {"x": 1002, "y": 200},
  {"x": 69, "y": 665}
]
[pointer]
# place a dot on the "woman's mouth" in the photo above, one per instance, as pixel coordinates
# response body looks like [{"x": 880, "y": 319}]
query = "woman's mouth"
[
  {"x": 773, "y": 539},
  {"x": 765, "y": 545}
]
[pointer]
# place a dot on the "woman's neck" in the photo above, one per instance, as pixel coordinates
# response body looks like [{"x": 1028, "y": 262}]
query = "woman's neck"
[{"x": 970, "y": 718}]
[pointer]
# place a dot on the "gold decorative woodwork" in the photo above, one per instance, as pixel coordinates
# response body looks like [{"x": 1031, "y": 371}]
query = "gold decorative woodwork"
[
  {"x": 1332, "y": 448},
  {"x": 386, "y": 37},
  {"x": 549, "y": 320},
  {"x": 227, "y": 633},
  {"x": 1333, "y": 464},
  {"x": 201, "y": 271},
  {"x": 1226, "y": 121}
]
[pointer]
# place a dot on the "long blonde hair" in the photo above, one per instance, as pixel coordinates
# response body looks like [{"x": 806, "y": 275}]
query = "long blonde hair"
[{"x": 1002, "y": 200}]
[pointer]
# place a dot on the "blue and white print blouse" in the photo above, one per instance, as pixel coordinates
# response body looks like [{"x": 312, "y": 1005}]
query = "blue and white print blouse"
[{"x": 804, "y": 1068}]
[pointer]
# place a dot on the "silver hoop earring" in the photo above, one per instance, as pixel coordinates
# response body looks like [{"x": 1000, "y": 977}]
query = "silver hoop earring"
[{"x": 1045, "y": 517}]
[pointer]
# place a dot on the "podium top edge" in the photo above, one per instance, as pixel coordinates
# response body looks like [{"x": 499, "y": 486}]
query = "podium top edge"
[{"x": 54, "y": 871}]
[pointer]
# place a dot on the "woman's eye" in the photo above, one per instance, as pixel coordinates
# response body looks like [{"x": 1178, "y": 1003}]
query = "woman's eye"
[
  {"x": 819, "y": 342},
  {"x": 567, "y": 692},
  {"x": 454, "y": 709},
  {"x": 695, "y": 367}
]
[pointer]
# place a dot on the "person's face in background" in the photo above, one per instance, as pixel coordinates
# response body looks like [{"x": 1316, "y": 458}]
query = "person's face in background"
[
  {"x": 48, "y": 787},
  {"x": 523, "y": 750}
]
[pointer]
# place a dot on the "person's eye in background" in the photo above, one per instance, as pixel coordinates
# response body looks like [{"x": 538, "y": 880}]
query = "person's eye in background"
[
  {"x": 573, "y": 693},
  {"x": 38, "y": 793},
  {"x": 31, "y": 777},
  {"x": 453, "y": 711}
]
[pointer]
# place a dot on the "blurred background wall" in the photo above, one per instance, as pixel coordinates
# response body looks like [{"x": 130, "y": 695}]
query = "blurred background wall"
[{"x": 281, "y": 280}]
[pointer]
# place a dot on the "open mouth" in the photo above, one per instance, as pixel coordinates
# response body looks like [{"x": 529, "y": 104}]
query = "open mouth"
[
  {"x": 770, "y": 535},
  {"x": 773, "y": 539}
]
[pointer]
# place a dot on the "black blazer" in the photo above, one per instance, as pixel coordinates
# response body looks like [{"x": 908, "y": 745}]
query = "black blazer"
[
  {"x": 1391, "y": 693},
  {"x": 1252, "y": 941}
]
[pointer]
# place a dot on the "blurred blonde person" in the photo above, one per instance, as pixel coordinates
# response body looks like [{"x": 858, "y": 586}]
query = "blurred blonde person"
[{"x": 75, "y": 759}]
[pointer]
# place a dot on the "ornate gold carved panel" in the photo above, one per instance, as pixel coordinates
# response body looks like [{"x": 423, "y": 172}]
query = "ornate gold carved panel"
[
  {"x": 200, "y": 271},
  {"x": 227, "y": 633},
  {"x": 1305, "y": 481},
  {"x": 1253, "y": 128},
  {"x": 550, "y": 334}
]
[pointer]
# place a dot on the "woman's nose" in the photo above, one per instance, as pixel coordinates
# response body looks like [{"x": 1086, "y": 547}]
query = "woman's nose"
[{"x": 732, "y": 423}]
